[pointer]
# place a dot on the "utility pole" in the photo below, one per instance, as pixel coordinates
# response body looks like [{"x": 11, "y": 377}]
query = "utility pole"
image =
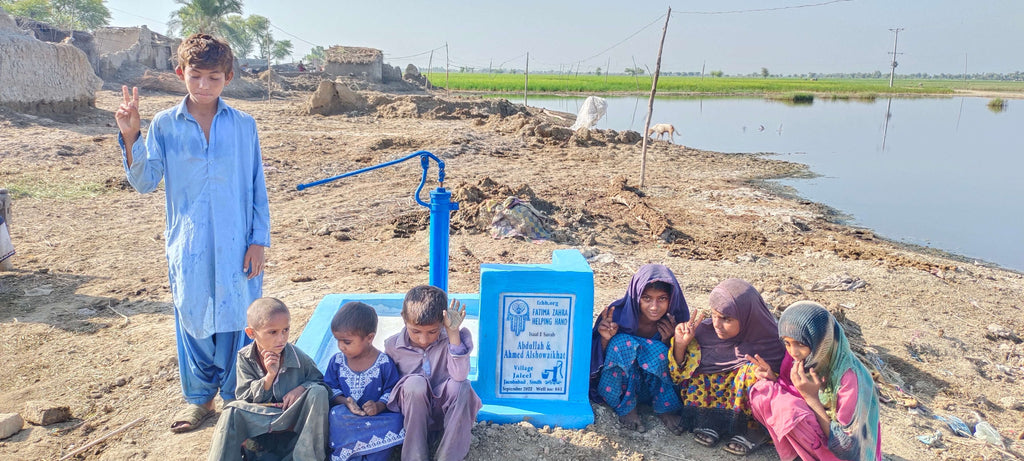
[
  {"x": 526, "y": 82},
  {"x": 895, "y": 39}
]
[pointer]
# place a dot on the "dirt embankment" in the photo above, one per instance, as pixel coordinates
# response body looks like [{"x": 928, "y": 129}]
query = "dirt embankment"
[{"x": 86, "y": 321}]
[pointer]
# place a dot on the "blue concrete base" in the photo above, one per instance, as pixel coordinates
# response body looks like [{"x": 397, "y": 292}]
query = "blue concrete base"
[
  {"x": 532, "y": 323},
  {"x": 318, "y": 342}
]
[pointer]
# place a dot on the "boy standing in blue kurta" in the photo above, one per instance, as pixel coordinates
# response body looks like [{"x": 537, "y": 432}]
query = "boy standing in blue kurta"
[{"x": 218, "y": 218}]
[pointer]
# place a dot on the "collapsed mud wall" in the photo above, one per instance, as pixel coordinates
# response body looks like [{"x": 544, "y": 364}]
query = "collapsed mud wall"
[
  {"x": 49, "y": 33},
  {"x": 120, "y": 47},
  {"x": 390, "y": 74},
  {"x": 43, "y": 77}
]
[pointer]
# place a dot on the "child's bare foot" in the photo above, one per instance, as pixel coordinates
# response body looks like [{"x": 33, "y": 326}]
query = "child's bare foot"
[
  {"x": 632, "y": 421},
  {"x": 671, "y": 421}
]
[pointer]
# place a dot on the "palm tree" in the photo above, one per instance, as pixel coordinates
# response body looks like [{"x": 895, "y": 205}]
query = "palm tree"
[
  {"x": 203, "y": 16},
  {"x": 239, "y": 35},
  {"x": 281, "y": 49}
]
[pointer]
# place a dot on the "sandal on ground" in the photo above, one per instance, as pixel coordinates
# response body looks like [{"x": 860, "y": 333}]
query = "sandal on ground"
[
  {"x": 706, "y": 436},
  {"x": 190, "y": 417},
  {"x": 741, "y": 446}
]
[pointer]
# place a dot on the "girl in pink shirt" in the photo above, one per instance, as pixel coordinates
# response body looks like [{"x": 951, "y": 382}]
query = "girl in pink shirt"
[{"x": 822, "y": 405}]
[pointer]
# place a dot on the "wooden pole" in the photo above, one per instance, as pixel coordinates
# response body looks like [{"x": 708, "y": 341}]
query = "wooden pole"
[
  {"x": 650, "y": 102},
  {"x": 447, "y": 91},
  {"x": 430, "y": 62},
  {"x": 101, "y": 439},
  {"x": 607, "y": 70},
  {"x": 526, "y": 83},
  {"x": 270, "y": 73}
]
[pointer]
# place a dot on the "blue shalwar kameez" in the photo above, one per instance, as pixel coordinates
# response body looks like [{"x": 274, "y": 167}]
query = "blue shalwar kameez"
[{"x": 217, "y": 207}]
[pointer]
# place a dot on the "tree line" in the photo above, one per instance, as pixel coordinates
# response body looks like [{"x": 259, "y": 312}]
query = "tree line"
[{"x": 249, "y": 36}]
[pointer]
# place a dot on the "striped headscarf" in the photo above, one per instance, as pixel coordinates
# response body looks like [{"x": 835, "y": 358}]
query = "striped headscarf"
[{"x": 831, "y": 357}]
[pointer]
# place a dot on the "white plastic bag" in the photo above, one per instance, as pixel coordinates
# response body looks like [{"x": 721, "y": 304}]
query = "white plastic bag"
[{"x": 591, "y": 111}]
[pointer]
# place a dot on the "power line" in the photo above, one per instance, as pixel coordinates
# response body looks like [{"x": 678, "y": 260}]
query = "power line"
[
  {"x": 415, "y": 55},
  {"x": 656, "y": 19},
  {"x": 291, "y": 34},
  {"x": 137, "y": 16},
  {"x": 757, "y": 10},
  {"x": 511, "y": 59}
]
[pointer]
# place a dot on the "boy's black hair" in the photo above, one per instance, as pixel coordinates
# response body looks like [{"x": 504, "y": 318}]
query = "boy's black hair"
[
  {"x": 355, "y": 317},
  {"x": 204, "y": 51},
  {"x": 424, "y": 305},
  {"x": 660, "y": 286},
  {"x": 262, "y": 310}
]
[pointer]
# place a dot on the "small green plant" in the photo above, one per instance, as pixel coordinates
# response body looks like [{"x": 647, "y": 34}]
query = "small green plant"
[
  {"x": 792, "y": 98},
  {"x": 803, "y": 98},
  {"x": 997, "y": 105}
]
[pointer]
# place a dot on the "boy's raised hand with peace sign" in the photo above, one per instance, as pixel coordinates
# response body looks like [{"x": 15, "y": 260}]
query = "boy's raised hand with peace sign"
[
  {"x": 607, "y": 328},
  {"x": 128, "y": 121}
]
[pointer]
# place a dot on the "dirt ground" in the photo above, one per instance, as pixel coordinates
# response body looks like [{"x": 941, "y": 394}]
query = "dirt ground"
[{"x": 85, "y": 317}]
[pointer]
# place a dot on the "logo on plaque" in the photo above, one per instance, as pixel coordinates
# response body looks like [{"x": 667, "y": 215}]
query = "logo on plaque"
[
  {"x": 518, "y": 315},
  {"x": 535, "y": 345}
]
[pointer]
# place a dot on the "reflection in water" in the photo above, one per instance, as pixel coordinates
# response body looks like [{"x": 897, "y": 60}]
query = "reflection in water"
[
  {"x": 929, "y": 184},
  {"x": 885, "y": 126}
]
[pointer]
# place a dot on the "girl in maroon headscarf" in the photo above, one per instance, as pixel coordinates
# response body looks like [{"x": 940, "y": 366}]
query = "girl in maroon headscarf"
[
  {"x": 709, "y": 362},
  {"x": 629, "y": 351}
]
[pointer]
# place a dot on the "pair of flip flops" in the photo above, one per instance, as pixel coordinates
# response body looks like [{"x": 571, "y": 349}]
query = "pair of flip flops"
[
  {"x": 706, "y": 436},
  {"x": 741, "y": 446},
  {"x": 738, "y": 445},
  {"x": 190, "y": 418}
]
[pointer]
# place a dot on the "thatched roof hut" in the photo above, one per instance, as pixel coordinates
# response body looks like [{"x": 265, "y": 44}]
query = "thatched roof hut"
[{"x": 354, "y": 61}]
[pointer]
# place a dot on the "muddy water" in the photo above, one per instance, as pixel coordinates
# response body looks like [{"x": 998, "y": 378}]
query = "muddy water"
[{"x": 938, "y": 172}]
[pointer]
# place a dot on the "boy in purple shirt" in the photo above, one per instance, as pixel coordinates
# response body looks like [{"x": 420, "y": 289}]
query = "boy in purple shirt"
[{"x": 432, "y": 354}]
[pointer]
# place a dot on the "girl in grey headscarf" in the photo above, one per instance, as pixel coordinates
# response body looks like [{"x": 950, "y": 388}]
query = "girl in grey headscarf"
[{"x": 823, "y": 405}]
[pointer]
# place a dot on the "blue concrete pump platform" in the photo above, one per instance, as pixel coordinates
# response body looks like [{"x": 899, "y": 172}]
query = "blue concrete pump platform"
[{"x": 531, "y": 326}]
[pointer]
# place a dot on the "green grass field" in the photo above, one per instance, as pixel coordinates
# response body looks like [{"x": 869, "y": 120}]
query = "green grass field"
[{"x": 553, "y": 83}]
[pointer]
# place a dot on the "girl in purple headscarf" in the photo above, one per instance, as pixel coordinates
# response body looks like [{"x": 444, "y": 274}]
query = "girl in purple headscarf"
[
  {"x": 629, "y": 351},
  {"x": 710, "y": 363}
]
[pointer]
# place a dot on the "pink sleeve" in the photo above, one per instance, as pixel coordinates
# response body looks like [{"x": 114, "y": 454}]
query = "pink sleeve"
[{"x": 846, "y": 398}]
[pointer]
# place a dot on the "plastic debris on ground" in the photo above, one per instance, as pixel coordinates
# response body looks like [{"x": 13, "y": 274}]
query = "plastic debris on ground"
[
  {"x": 517, "y": 218},
  {"x": 984, "y": 431},
  {"x": 931, "y": 439},
  {"x": 957, "y": 425},
  {"x": 591, "y": 111}
]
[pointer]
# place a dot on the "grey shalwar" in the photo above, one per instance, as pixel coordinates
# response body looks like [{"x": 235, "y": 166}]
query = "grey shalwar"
[{"x": 251, "y": 415}]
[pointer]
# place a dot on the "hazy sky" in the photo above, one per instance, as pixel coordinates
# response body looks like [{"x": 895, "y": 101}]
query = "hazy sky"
[{"x": 832, "y": 36}]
